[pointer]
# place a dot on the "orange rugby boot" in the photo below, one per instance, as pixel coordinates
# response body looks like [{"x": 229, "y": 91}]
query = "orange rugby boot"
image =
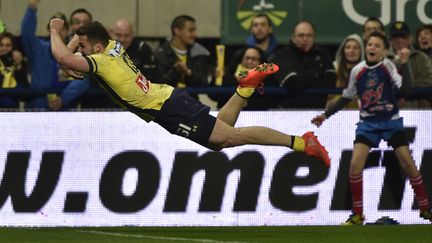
[
  {"x": 255, "y": 77},
  {"x": 314, "y": 148}
]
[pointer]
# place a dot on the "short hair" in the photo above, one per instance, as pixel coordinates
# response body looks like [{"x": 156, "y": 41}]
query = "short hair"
[
  {"x": 374, "y": 19},
  {"x": 381, "y": 36},
  {"x": 80, "y": 10},
  {"x": 304, "y": 21},
  {"x": 423, "y": 27},
  {"x": 263, "y": 15},
  {"x": 179, "y": 22},
  {"x": 95, "y": 33}
]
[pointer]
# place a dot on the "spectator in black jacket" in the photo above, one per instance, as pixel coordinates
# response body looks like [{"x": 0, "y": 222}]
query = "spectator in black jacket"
[
  {"x": 180, "y": 61},
  {"x": 138, "y": 50},
  {"x": 303, "y": 65}
]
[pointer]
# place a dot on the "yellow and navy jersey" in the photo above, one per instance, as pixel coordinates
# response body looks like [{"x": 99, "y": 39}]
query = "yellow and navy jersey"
[{"x": 125, "y": 84}]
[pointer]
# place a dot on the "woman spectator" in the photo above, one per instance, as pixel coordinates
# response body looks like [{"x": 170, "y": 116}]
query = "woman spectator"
[
  {"x": 13, "y": 73},
  {"x": 349, "y": 54}
]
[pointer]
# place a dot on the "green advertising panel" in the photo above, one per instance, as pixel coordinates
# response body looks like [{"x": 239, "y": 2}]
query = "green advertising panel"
[{"x": 333, "y": 19}]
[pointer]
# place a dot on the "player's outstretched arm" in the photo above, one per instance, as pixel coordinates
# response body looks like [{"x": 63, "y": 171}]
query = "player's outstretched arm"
[
  {"x": 338, "y": 105},
  {"x": 62, "y": 53}
]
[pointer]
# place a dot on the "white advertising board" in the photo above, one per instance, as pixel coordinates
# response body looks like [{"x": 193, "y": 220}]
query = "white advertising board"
[{"x": 112, "y": 169}]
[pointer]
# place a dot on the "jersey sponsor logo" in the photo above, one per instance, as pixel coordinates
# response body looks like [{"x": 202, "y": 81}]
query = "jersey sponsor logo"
[
  {"x": 371, "y": 83},
  {"x": 115, "y": 52},
  {"x": 143, "y": 83}
]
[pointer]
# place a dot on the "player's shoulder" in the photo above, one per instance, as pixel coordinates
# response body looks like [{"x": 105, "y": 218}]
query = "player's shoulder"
[
  {"x": 388, "y": 62},
  {"x": 360, "y": 66},
  {"x": 389, "y": 65}
]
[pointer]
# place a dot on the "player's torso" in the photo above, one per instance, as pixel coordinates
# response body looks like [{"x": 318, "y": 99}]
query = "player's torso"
[
  {"x": 126, "y": 81},
  {"x": 376, "y": 91}
]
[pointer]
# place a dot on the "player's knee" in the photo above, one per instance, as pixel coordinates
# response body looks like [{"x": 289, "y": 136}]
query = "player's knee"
[{"x": 233, "y": 139}]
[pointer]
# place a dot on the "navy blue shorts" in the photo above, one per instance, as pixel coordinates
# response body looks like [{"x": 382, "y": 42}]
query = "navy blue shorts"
[
  {"x": 371, "y": 133},
  {"x": 185, "y": 116}
]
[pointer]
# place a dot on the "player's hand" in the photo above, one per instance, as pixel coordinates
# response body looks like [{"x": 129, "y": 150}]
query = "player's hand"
[
  {"x": 55, "y": 103},
  {"x": 74, "y": 74},
  {"x": 318, "y": 120},
  {"x": 56, "y": 24},
  {"x": 404, "y": 55}
]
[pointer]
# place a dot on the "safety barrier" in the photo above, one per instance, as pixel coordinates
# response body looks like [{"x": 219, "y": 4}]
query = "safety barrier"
[{"x": 204, "y": 90}]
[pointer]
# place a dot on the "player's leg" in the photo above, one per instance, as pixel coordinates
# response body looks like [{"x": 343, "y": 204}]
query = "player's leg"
[
  {"x": 230, "y": 111},
  {"x": 225, "y": 136},
  {"x": 400, "y": 145},
  {"x": 247, "y": 85},
  {"x": 358, "y": 161},
  {"x": 407, "y": 163}
]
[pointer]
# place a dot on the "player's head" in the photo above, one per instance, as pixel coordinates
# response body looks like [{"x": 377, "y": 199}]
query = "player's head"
[
  {"x": 376, "y": 47},
  {"x": 93, "y": 38},
  {"x": 183, "y": 29},
  {"x": 261, "y": 27}
]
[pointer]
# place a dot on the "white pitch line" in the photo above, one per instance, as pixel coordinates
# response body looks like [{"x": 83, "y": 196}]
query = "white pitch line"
[{"x": 158, "y": 237}]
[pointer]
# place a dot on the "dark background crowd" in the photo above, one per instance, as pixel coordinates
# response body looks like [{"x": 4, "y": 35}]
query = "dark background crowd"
[{"x": 31, "y": 79}]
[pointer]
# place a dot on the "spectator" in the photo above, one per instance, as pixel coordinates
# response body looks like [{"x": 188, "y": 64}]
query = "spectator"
[
  {"x": 304, "y": 65},
  {"x": 78, "y": 18},
  {"x": 181, "y": 61},
  {"x": 140, "y": 53},
  {"x": 372, "y": 24},
  {"x": 421, "y": 64},
  {"x": 262, "y": 36},
  {"x": 13, "y": 72},
  {"x": 350, "y": 53},
  {"x": 424, "y": 39},
  {"x": 45, "y": 71}
]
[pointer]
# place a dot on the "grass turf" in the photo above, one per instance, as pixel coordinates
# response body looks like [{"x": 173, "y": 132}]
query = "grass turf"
[{"x": 368, "y": 233}]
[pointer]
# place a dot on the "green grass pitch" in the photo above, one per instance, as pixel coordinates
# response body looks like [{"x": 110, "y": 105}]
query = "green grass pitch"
[{"x": 367, "y": 233}]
